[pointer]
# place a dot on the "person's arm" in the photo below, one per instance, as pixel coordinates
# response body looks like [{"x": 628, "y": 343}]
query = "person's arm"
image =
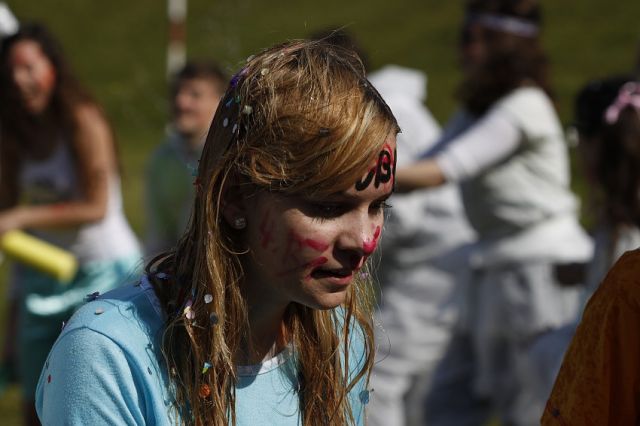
[
  {"x": 93, "y": 147},
  {"x": 492, "y": 139},
  {"x": 426, "y": 173},
  {"x": 87, "y": 380},
  {"x": 599, "y": 381}
]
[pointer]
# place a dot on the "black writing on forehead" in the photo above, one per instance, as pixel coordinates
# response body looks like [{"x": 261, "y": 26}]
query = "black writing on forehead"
[{"x": 383, "y": 172}]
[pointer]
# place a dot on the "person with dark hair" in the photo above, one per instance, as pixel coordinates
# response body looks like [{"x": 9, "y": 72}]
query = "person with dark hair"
[
  {"x": 597, "y": 382},
  {"x": 608, "y": 127},
  {"x": 506, "y": 148},
  {"x": 59, "y": 181},
  {"x": 195, "y": 92},
  {"x": 262, "y": 314}
]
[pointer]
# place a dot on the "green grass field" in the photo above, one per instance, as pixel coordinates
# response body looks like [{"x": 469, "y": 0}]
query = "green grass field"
[{"x": 118, "y": 49}]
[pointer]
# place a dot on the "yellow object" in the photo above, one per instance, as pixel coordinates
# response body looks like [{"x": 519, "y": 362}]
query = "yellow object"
[{"x": 39, "y": 254}]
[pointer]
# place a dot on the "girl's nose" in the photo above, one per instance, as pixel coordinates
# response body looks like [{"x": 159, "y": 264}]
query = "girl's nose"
[
  {"x": 369, "y": 246},
  {"x": 360, "y": 238}
]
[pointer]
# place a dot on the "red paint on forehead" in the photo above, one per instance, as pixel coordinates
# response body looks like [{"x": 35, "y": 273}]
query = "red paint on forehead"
[{"x": 392, "y": 162}]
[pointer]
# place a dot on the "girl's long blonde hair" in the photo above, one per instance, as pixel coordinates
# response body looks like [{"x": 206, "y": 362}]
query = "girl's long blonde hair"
[{"x": 301, "y": 119}]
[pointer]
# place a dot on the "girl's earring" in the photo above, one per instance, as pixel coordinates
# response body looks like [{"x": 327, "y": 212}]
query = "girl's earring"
[{"x": 239, "y": 223}]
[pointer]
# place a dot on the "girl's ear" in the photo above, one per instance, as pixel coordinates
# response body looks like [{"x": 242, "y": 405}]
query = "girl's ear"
[{"x": 234, "y": 209}]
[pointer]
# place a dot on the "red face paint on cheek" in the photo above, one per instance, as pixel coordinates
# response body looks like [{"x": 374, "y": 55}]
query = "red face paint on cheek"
[
  {"x": 308, "y": 242},
  {"x": 376, "y": 234},
  {"x": 369, "y": 247},
  {"x": 316, "y": 245},
  {"x": 317, "y": 262},
  {"x": 293, "y": 256}
]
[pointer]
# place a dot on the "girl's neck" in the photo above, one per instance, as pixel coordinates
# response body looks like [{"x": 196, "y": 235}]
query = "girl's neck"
[
  {"x": 268, "y": 337},
  {"x": 267, "y": 331}
]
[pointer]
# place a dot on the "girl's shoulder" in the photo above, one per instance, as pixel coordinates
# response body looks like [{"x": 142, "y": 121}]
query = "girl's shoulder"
[
  {"x": 106, "y": 360},
  {"x": 89, "y": 119},
  {"x": 132, "y": 306},
  {"x": 88, "y": 110}
]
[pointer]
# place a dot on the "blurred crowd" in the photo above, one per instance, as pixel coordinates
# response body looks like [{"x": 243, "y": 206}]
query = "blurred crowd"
[{"x": 486, "y": 273}]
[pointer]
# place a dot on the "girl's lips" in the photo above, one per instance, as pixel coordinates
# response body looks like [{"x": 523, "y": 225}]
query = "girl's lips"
[{"x": 336, "y": 276}]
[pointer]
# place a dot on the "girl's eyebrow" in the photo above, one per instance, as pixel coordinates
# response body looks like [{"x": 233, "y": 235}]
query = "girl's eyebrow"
[{"x": 347, "y": 197}]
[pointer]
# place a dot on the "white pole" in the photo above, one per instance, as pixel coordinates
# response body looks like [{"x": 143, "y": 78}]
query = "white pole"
[
  {"x": 176, "y": 48},
  {"x": 8, "y": 22}
]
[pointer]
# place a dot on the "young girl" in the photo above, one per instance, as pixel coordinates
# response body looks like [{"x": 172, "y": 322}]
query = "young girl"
[
  {"x": 59, "y": 181},
  {"x": 262, "y": 314},
  {"x": 507, "y": 151}
]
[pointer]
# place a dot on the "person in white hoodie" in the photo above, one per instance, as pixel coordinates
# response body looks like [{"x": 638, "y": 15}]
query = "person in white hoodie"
[{"x": 422, "y": 263}]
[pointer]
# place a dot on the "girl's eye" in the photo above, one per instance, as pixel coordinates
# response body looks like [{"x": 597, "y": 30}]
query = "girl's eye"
[
  {"x": 380, "y": 205},
  {"x": 327, "y": 210}
]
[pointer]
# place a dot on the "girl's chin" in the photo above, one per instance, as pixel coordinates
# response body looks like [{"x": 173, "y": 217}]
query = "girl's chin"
[{"x": 329, "y": 300}]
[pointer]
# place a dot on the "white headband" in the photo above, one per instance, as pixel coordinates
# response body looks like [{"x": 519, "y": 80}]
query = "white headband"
[{"x": 508, "y": 24}]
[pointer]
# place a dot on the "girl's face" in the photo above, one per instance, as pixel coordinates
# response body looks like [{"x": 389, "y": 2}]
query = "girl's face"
[
  {"x": 33, "y": 74},
  {"x": 310, "y": 251}
]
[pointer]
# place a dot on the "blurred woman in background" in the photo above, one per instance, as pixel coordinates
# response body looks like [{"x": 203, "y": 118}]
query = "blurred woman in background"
[
  {"x": 507, "y": 150},
  {"x": 59, "y": 181}
]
